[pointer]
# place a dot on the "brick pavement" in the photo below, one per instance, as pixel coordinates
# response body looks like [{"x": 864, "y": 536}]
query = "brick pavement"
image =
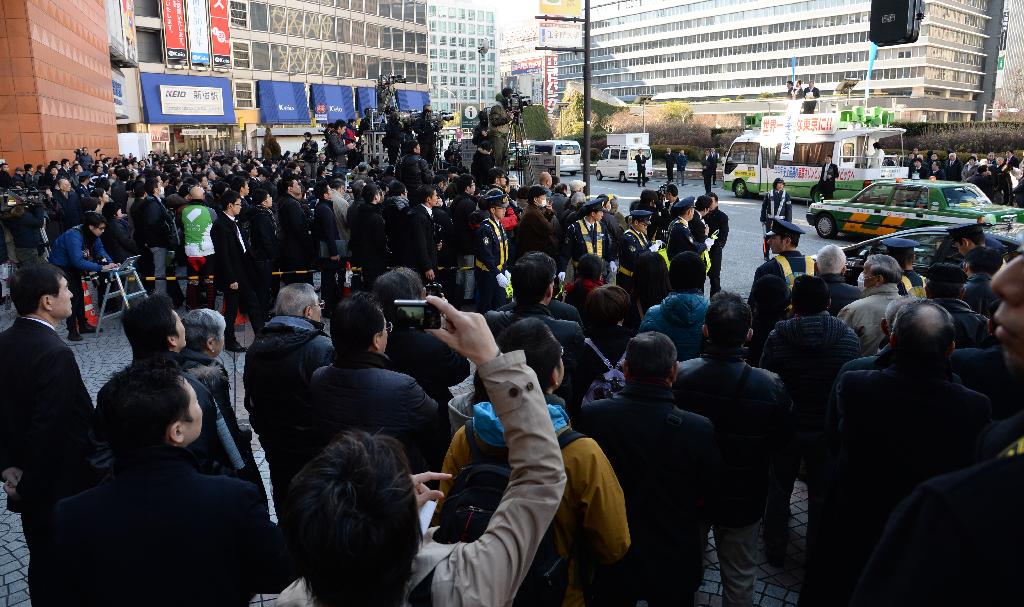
[{"x": 100, "y": 356}]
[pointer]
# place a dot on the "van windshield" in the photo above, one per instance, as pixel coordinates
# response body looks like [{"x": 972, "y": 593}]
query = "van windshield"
[{"x": 567, "y": 149}]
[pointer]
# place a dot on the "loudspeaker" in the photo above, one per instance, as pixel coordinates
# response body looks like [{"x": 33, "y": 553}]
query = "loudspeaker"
[{"x": 896, "y": 21}]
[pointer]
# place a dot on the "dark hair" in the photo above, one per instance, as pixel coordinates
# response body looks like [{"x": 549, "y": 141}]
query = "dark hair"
[
  {"x": 137, "y": 404},
  {"x": 945, "y": 289},
  {"x": 355, "y": 322},
  {"x": 671, "y": 189},
  {"x": 686, "y": 272},
  {"x": 237, "y": 182},
  {"x": 902, "y": 256},
  {"x": 421, "y": 194},
  {"x": 30, "y": 283},
  {"x": 534, "y": 338},
  {"x": 351, "y": 523},
  {"x": 606, "y": 306},
  {"x": 924, "y": 331},
  {"x": 810, "y": 295},
  {"x": 728, "y": 320},
  {"x": 589, "y": 268},
  {"x": 485, "y": 145},
  {"x": 983, "y": 260},
  {"x": 397, "y": 188},
  {"x": 463, "y": 181},
  {"x": 229, "y": 198},
  {"x": 650, "y": 280},
  {"x": 650, "y": 355},
  {"x": 148, "y": 324},
  {"x": 391, "y": 286},
  {"x": 319, "y": 190},
  {"x": 93, "y": 219},
  {"x": 702, "y": 203},
  {"x": 494, "y": 174},
  {"x": 337, "y": 182},
  {"x": 370, "y": 191},
  {"x": 531, "y": 277},
  {"x": 648, "y": 198},
  {"x": 109, "y": 212},
  {"x": 151, "y": 186},
  {"x": 258, "y": 195},
  {"x": 409, "y": 146},
  {"x": 769, "y": 296}
]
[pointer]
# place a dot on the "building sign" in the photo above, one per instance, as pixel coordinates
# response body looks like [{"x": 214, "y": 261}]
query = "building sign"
[
  {"x": 219, "y": 33},
  {"x": 175, "y": 46},
  {"x": 528, "y": 66},
  {"x": 159, "y": 134},
  {"x": 118, "y": 82},
  {"x": 199, "y": 132},
  {"x": 557, "y": 34},
  {"x": 282, "y": 102},
  {"x": 563, "y": 8},
  {"x": 802, "y": 124},
  {"x": 470, "y": 117},
  {"x": 551, "y": 82},
  {"x": 191, "y": 100},
  {"x": 332, "y": 103},
  {"x": 198, "y": 32},
  {"x": 131, "y": 43}
]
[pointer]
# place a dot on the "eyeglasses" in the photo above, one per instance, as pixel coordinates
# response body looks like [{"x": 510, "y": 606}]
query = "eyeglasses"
[{"x": 388, "y": 326}]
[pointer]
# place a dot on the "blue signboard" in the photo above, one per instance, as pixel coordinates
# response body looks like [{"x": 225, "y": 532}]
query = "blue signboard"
[
  {"x": 367, "y": 98},
  {"x": 332, "y": 103},
  {"x": 175, "y": 99},
  {"x": 282, "y": 102}
]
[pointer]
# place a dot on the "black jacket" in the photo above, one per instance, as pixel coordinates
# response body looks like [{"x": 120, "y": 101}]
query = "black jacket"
[
  {"x": 984, "y": 370},
  {"x": 978, "y": 293},
  {"x": 752, "y": 419},
  {"x": 612, "y": 342},
  {"x": 278, "y": 369},
  {"x": 560, "y": 310},
  {"x": 971, "y": 327},
  {"x": 481, "y": 169},
  {"x": 232, "y": 264},
  {"x": 149, "y": 217},
  {"x": 25, "y": 230},
  {"x": 119, "y": 194},
  {"x": 113, "y": 540},
  {"x": 362, "y": 392},
  {"x": 263, "y": 237},
  {"x": 667, "y": 468},
  {"x": 369, "y": 240},
  {"x": 414, "y": 171},
  {"x": 118, "y": 242},
  {"x": 718, "y": 221},
  {"x": 46, "y": 416},
  {"x": 444, "y": 233},
  {"x": 465, "y": 236},
  {"x": 421, "y": 248},
  {"x": 807, "y": 352},
  {"x": 295, "y": 222},
  {"x": 325, "y": 228},
  {"x": 840, "y": 294}
]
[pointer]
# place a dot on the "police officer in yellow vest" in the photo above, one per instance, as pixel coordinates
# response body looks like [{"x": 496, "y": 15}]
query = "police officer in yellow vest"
[
  {"x": 491, "y": 253},
  {"x": 680, "y": 238},
  {"x": 634, "y": 243},
  {"x": 788, "y": 263},
  {"x": 902, "y": 250},
  {"x": 587, "y": 236}
]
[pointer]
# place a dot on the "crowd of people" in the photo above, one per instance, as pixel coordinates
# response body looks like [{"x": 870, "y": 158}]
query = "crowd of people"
[
  {"x": 999, "y": 176},
  {"x": 574, "y": 440}
]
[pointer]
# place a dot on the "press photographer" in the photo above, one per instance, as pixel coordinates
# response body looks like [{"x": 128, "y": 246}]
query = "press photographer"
[
  {"x": 24, "y": 216},
  {"x": 427, "y": 126},
  {"x": 500, "y": 122}
]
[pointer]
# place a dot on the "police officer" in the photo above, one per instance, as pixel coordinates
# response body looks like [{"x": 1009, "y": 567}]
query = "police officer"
[
  {"x": 902, "y": 250},
  {"x": 967, "y": 236},
  {"x": 587, "y": 236},
  {"x": 634, "y": 243},
  {"x": 788, "y": 263},
  {"x": 490, "y": 274},
  {"x": 680, "y": 238},
  {"x": 777, "y": 205}
]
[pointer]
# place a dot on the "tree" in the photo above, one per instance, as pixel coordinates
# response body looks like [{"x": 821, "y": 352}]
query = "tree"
[
  {"x": 676, "y": 111},
  {"x": 536, "y": 124},
  {"x": 1011, "y": 95}
]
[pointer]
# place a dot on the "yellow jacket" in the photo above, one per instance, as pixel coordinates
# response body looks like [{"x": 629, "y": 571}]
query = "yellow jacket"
[{"x": 593, "y": 508}]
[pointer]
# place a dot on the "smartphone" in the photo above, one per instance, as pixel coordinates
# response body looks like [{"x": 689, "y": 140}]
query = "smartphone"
[
  {"x": 435, "y": 289},
  {"x": 416, "y": 314}
]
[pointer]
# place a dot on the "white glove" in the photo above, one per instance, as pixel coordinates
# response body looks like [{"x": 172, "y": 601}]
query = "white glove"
[
  {"x": 561, "y": 277},
  {"x": 508, "y": 275},
  {"x": 657, "y": 246},
  {"x": 708, "y": 243},
  {"x": 613, "y": 267},
  {"x": 502, "y": 281}
]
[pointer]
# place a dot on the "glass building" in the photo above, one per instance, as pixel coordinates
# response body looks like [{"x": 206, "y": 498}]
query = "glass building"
[{"x": 459, "y": 74}]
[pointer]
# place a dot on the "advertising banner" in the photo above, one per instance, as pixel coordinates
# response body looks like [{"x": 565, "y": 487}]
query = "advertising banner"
[
  {"x": 175, "y": 46},
  {"x": 528, "y": 66},
  {"x": 804, "y": 124},
  {"x": 562, "y": 8},
  {"x": 198, "y": 16},
  {"x": 282, "y": 102},
  {"x": 551, "y": 82},
  {"x": 219, "y": 33},
  {"x": 789, "y": 132},
  {"x": 191, "y": 100},
  {"x": 332, "y": 103},
  {"x": 131, "y": 44},
  {"x": 556, "y": 34}
]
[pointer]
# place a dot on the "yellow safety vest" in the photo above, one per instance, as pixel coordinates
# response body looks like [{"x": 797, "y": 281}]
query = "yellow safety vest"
[
  {"x": 586, "y": 238},
  {"x": 643, "y": 243},
  {"x": 912, "y": 289},
  {"x": 499, "y": 235},
  {"x": 787, "y": 269}
]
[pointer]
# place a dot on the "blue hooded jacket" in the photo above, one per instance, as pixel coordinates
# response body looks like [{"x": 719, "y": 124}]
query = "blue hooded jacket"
[
  {"x": 681, "y": 317},
  {"x": 67, "y": 251}
]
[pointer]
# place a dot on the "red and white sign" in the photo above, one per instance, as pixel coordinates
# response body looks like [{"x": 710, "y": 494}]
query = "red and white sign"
[
  {"x": 534, "y": 65},
  {"x": 551, "y": 82},
  {"x": 809, "y": 124},
  {"x": 175, "y": 42},
  {"x": 219, "y": 33}
]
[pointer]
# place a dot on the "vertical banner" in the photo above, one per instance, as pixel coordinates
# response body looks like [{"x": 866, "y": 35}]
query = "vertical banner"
[
  {"x": 219, "y": 33},
  {"x": 551, "y": 82},
  {"x": 175, "y": 47},
  {"x": 789, "y": 131},
  {"x": 872, "y": 54},
  {"x": 198, "y": 16},
  {"x": 131, "y": 43}
]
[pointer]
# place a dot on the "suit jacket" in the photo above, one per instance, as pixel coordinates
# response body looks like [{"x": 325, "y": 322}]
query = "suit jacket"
[
  {"x": 112, "y": 541},
  {"x": 421, "y": 249},
  {"x": 296, "y": 241},
  {"x": 828, "y": 170},
  {"x": 232, "y": 264},
  {"x": 954, "y": 170},
  {"x": 45, "y": 415}
]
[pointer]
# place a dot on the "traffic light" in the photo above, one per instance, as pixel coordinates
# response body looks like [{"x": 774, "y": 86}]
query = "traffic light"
[{"x": 896, "y": 21}]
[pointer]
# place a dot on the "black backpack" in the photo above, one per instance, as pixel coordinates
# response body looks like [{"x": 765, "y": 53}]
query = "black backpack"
[{"x": 472, "y": 500}]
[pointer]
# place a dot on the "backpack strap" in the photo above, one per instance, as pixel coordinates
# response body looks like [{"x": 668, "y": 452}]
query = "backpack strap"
[
  {"x": 601, "y": 355},
  {"x": 569, "y": 436}
]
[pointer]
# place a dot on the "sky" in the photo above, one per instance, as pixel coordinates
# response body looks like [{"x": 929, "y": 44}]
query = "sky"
[{"x": 513, "y": 10}]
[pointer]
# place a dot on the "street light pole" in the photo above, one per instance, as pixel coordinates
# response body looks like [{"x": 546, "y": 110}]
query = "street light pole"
[{"x": 586, "y": 93}]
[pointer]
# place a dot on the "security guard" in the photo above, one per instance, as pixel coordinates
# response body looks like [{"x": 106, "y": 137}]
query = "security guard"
[
  {"x": 491, "y": 254},
  {"x": 587, "y": 236},
  {"x": 967, "y": 236},
  {"x": 788, "y": 263},
  {"x": 902, "y": 250},
  {"x": 680, "y": 238},
  {"x": 634, "y": 243}
]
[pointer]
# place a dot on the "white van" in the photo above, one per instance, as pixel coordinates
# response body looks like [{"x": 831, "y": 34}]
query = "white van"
[
  {"x": 617, "y": 160},
  {"x": 567, "y": 150}
]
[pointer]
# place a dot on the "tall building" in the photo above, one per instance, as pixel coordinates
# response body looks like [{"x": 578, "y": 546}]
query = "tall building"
[
  {"x": 532, "y": 72},
  {"x": 700, "y": 50},
  {"x": 459, "y": 74},
  {"x": 213, "y": 72}
]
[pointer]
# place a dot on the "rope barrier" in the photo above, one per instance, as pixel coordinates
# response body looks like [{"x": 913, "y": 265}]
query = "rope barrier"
[{"x": 282, "y": 273}]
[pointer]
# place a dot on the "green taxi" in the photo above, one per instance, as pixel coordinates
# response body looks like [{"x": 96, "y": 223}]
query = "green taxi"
[{"x": 891, "y": 205}]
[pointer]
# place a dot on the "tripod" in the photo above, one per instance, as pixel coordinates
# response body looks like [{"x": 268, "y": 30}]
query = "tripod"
[{"x": 517, "y": 162}]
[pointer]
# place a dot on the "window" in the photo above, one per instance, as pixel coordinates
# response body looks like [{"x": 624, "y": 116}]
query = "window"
[
  {"x": 279, "y": 57},
  {"x": 151, "y": 47},
  {"x": 877, "y": 194},
  {"x": 314, "y": 59},
  {"x": 296, "y": 59},
  {"x": 327, "y": 28},
  {"x": 244, "y": 96},
  {"x": 278, "y": 20},
  {"x": 359, "y": 66},
  {"x": 147, "y": 8},
  {"x": 258, "y": 17},
  {"x": 910, "y": 197},
  {"x": 742, "y": 153},
  {"x": 294, "y": 21},
  {"x": 259, "y": 53},
  {"x": 372, "y": 35},
  {"x": 359, "y": 33},
  {"x": 372, "y": 67},
  {"x": 240, "y": 55},
  {"x": 344, "y": 65},
  {"x": 330, "y": 65},
  {"x": 311, "y": 28},
  {"x": 344, "y": 32},
  {"x": 807, "y": 154},
  {"x": 239, "y": 10}
]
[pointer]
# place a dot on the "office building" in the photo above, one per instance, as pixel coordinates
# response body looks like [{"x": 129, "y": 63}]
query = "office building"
[
  {"x": 706, "y": 50},
  {"x": 213, "y": 72},
  {"x": 460, "y": 74},
  {"x": 526, "y": 69}
]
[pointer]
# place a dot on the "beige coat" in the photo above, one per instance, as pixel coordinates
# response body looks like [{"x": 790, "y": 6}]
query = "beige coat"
[
  {"x": 865, "y": 316},
  {"x": 490, "y": 570}
]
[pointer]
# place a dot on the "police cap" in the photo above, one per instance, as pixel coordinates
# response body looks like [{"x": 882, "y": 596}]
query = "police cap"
[
  {"x": 947, "y": 272},
  {"x": 641, "y": 215},
  {"x": 896, "y": 244},
  {"x": 595, "y": 204},
  {"x": 493, "y": 198},
  {"x": 684, "y": 203},
  {"x": 966, "y": 230},
  {"x": 782, "y": 227}
]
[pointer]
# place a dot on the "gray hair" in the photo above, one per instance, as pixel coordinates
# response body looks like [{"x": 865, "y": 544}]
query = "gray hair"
[
  {"x": 293, "y": 299},
  {"x": 886, "y": 267},
  {"x": 894, "y": 307},
  {"x": 577, "y": 185},
  {"x": 831, "y": 260},
  {"x": 200, "y": 326}
]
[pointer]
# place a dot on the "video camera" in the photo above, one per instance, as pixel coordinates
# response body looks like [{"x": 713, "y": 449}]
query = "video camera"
[
  {"x": 517, "y": 102},
  {"x": 389, "y": 80},
  {"x": 15, "y": 201}
]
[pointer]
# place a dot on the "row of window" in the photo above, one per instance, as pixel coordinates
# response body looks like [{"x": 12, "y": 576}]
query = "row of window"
[
  {"x": 459, "y": 27},
  {"x": 945, "y": 13},
  {"x": 462, "y": 68},
  {"x": 464, "y": 14},
  {"x": 267, "y": 57},
  {"x": 937, "y": 32},
  {"x": 412, "y": 11},
  {"x": 462, "y": 42},
  {"x": 469, "y": 81}
]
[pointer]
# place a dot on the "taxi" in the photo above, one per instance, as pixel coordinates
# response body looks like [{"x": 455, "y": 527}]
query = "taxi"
[{"x": 890, "y": 205}]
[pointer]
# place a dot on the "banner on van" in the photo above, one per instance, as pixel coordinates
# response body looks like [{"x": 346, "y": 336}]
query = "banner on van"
[{"x": 805, "y": 124}]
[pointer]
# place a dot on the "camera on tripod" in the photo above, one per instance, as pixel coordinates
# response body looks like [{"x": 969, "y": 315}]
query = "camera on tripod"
[
  {"x": 15, "y": 201},
  {"x": 388, "y": 80},
  {"x": 517, "y": 102}
]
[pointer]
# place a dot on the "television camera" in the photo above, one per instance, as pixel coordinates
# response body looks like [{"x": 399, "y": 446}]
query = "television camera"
[{"x": 15, "y": 201}]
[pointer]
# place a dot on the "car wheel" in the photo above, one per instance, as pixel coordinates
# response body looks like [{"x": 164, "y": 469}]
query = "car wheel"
[
  {"x": 622, "y": 177},
  {"x": 600, "y": 177},
  {"x": 825, "y": 225},
  {"x": 739, "y": 189}
]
